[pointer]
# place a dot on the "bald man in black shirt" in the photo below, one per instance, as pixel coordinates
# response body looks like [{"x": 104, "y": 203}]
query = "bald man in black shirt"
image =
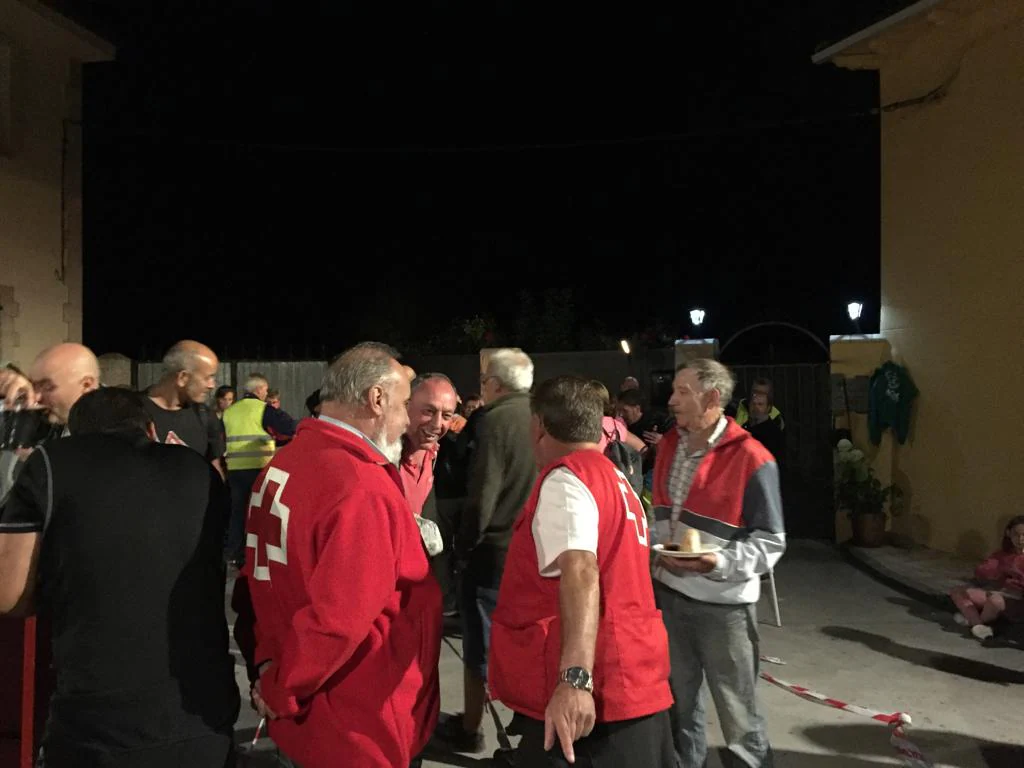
[{"x": 118, "y": 540}]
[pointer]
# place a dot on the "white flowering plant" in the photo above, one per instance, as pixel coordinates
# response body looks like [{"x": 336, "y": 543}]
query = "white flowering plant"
[{"x": 857, "y": 490}]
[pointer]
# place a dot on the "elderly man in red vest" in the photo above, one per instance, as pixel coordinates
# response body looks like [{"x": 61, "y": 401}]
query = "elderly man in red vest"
[
  {"x": 578, "y": 649},
  {"x": 717, "y": 487}
]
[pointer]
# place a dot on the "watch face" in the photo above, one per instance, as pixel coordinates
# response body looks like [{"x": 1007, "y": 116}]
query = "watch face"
[{"x": 577, "y": 677}]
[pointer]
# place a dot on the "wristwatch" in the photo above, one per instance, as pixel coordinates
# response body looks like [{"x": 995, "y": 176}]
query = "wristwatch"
[{"x": 578, "y": 678}]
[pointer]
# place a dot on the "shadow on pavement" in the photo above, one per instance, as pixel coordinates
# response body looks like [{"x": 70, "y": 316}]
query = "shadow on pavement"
[
  {"x": 943, "y": 662},
  {"x": 943, "y": 747},
  {"x": 920, "y": 610}
]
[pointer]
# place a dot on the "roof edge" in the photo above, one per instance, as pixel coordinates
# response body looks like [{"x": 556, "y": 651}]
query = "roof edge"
[
  {"x": 100, "y": 48},
  {"x": 830, "y": 52}
]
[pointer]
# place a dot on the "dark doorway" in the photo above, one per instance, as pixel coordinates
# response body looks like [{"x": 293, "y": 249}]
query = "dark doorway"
[{"x": 796, "y": 362}]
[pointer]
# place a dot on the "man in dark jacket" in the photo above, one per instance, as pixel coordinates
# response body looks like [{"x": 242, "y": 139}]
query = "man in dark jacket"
[
  {"x": 118, "y": 540},
  {"x": 501, "y": 476}
]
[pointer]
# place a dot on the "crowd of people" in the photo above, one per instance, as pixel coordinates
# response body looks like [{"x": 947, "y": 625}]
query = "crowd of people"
[{"x": 548, "y": 517}]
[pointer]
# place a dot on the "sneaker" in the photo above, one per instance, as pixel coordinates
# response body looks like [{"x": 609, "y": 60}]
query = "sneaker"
[
  {"x": 452, "y": 735},
  {"x": 982, "y": 631},
  {"x": 959, "y": 618}
]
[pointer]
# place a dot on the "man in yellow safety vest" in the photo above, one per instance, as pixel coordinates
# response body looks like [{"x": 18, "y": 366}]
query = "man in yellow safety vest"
[{"x": 250, "y": 427}]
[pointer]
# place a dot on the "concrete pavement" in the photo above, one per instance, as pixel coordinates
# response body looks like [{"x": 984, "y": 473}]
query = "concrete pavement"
[{"x": 848, "y": 636}]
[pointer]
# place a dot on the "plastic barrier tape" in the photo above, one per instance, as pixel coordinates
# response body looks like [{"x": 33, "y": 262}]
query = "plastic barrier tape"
[{"x": 897, "y": 721}]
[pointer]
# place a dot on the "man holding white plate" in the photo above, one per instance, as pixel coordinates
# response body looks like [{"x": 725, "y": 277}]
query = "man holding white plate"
[{"x": 719, "y": 512}]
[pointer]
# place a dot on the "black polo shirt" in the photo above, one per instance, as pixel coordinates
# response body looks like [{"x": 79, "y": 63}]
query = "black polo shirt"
[{"x": 131, "y": 578}]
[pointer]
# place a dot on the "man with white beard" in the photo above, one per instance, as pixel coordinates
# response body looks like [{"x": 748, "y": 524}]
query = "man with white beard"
[{"x": 348, "y": 615}]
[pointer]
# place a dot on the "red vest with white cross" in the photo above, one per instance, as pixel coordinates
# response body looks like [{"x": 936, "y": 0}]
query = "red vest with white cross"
[{"x": 631, "y": 664}]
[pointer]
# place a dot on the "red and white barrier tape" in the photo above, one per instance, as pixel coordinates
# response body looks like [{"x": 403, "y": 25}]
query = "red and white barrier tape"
[{"x": 897, "y": 721}]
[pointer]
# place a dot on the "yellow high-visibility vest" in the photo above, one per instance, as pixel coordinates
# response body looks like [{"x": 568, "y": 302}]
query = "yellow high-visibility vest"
[
  {"x": 248, "y": 444},
  {"x": 743, "y": 415}
]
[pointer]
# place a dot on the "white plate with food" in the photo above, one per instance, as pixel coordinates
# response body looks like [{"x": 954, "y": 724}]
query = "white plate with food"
[{"x": 675, "y": 550}]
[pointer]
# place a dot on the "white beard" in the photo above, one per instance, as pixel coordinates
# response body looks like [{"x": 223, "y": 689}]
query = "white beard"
[{"x": 392, "y": 451}]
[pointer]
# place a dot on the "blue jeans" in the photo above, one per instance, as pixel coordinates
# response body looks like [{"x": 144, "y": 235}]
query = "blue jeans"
[
  {"x": 476, "y": 607},
  {"x": 719, "y": 644}
]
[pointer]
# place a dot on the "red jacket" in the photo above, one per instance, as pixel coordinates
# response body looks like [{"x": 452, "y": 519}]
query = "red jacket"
[
  {"x": 631, "y": 664},
  {"x": 346, "y": 607},
  {"x": 721, "y": 479}
]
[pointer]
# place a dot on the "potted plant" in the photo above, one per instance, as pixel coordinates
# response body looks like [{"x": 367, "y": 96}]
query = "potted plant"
[{"x": 862, "y": 495}]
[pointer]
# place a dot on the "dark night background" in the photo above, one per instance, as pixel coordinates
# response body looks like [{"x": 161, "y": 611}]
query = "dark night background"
[{"x": 285, "y": 184}]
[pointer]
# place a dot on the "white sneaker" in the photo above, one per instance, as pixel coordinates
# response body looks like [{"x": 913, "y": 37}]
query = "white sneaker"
[
  {"x": 959, "y": 618},
  {"x": 982, "y": 631}
]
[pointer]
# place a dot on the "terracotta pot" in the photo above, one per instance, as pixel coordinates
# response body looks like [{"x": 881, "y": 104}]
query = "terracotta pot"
[{"x": 869, "y": 529}]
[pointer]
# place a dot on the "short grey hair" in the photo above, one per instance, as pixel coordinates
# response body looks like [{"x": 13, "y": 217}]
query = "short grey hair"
[
  {"x": 254, "y": 381},
  {"x": 356, "y": 370},
  {"x": 181, "y": 357},
  {"x": 713, "y": 375},
  {"x": 423, "y": 378},
  {"x": 512, "y": 367}
]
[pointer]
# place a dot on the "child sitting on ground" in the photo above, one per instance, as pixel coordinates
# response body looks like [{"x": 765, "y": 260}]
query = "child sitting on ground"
[{"x": 1001, "y": 579}]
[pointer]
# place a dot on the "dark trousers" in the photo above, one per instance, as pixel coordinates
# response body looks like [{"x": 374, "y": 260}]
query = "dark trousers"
[
  {"x": 284, "y": 762},
  {"x": 240, "y": 482},
  {"x": 446, "y": 513},
  {"x": 215, "y": 751},
  {"x": 644, "y": 741}
]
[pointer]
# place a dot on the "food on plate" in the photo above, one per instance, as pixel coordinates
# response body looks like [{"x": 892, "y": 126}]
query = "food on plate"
[{"x": 691, "y": 541}]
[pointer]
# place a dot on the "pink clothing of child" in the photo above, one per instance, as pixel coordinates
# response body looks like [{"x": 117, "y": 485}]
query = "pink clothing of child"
[
  {"x": 1004, "y": 568},
  {"x": 611, "y": 426},
  {"x": 1002, "y": 571}
]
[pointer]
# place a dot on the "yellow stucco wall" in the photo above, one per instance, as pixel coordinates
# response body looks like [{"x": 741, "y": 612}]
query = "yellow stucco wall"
[
  {"x": 953, "y": 266},
  {"x": 860, "y": 356},
  {"x": 44, "y": 78}
]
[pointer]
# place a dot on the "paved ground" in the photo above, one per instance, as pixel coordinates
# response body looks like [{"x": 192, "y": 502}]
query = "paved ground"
[
  {"x": 853, "y": 638},
  {"x": 928, "y": 572}
]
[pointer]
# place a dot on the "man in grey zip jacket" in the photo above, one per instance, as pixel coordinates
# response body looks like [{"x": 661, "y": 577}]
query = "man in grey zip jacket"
[{"x": 501, "y": 476}]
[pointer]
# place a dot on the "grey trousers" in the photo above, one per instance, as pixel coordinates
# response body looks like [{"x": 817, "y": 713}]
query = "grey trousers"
[{"x": 719, "y": 644}]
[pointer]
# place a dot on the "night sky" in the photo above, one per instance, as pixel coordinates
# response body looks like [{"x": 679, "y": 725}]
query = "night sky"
[{"x": 284, "y": 185}]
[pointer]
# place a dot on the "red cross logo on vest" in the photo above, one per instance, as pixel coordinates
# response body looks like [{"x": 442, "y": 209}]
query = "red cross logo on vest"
[
  {"x": 268, "y": 524},
  {"x": 173, "y": 439}
]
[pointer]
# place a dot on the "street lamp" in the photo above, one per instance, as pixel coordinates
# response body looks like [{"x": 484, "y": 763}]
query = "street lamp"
[
  {"x": 625, "y": 346},
  {"x": 854, "y": 309},
  {"x": 697, "y": 316}
]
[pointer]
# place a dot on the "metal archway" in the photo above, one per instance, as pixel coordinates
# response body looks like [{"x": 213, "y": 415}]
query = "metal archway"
[{"x": 791, "y": 326}]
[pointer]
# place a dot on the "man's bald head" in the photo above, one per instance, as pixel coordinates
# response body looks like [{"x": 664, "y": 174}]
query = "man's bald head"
[
  {"x": 192, "y": 366},
  {"x": 61, "y": 375}
]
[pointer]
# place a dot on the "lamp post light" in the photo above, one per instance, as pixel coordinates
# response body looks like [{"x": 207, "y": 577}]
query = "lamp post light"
[
  {"x": 697, "y": 317},
  {"x": 625, "y": 346},
  {"x": 854, "y": 309}
]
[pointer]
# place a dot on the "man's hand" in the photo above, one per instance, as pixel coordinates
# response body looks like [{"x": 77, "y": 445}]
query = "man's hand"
[
  {"x": 570, "y": 714},
  {"x": 681, "y": 565},
  {"x": 14, "y": 386},
  {"x": 257, "y": 699},
  {"x": 652, "y": 438}
]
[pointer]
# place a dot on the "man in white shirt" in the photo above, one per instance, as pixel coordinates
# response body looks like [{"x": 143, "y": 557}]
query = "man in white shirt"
[{"x": 576, "y": 571}]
